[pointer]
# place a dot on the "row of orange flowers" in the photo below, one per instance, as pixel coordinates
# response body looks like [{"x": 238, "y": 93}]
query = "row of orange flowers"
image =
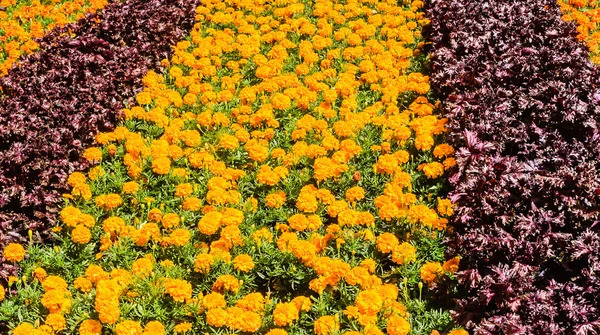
[{"x": 278, "y": 138}]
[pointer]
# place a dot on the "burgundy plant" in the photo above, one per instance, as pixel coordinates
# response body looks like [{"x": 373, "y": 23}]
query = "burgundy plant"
[{"x": 523, "y": 103}]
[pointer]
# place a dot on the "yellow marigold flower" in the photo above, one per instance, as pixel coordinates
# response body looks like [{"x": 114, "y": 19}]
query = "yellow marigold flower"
[
  {"x": 90, "y": 327},
  {"x": 179, "y": 290},
  {"x": 369, "y": 264},
  {"x": 143, "y": 98},
  {"x": 326, "y": 325},
  {"x": 14, "y": 252},
  {"x": 458, "y": 332},
  {"x": 81, "y": 234},
  {"x": 2, "y": 293},
  {"x": 214, "y": 300},
  {"x": 40, "y": 274},
  {"x": 386, "y": 242},
  {"x": 451, "y": 265},
  {"x": 285, "y": 314},
  {"x": 192, "y": 204},
  {"x": 83, "y": 284},
  {"x": 93, "y": 154},
  {"x": 128, "y": 327},
  {"x": 154, "y": 328},
  {"x": 56, "y": 321},
  {"x": 431, "y": 271},
  {"x": 404, "y": 253},
  {"x": 130, "y": 187},
  {"x": 275, "y": 200},
  {"x": 397, "y": 325},
  {"x": 243, "y": 263}
]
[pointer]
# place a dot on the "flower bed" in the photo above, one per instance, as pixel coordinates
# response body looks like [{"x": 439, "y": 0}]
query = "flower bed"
[
  {"x": 284, "y": 174},
  {"x": 21, "y": 23},
  {"x": 59, "y": 98}
]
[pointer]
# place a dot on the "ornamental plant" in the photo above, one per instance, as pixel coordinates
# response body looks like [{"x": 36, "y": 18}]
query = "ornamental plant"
[
  {"x": 54, "y": 103},
  {"x": 283, "y": 175},
  {"x": 586, "y": 15},
  {"x": 523, "y": 104}
]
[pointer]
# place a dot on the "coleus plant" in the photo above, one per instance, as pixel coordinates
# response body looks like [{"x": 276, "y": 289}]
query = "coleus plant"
[
  {"x": 523, "y": 103},
  {"x": 57, "y": 99}
]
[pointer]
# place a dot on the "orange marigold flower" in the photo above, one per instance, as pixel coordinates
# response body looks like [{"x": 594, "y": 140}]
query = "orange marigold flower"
[
  {"x": 108, "y": 201},
  {"x": 161, "y": 165},
  {"x": 128, "y": 327},
  {"x": 182, "y": 327},
  {"x": 14, "y": 252},
  {"x": 179, "y": 290},
  {"x": 386, "y": 242},
  {"x": 90, "y": 327},
  {"x": 227, "y": 283},
  {"x": 217, "y": 317},
  {"x": 397, "y": 325},
  {"x": 277, "y": 331},
  {"x": 326, "y": 325},
  {"x": 214, "y": 300},
  {"x": 130, "y": 187},
  {"x": 81, "y": 234},
  {"x": 56, "y": 321},
  {"x": 285, "y": 314},
  {"x": 40, "y": 274},
  {"x": 184, "y": 190},
  {"x": 180, "y": 237},
  {"x": 170, "y": 220},
  {"x": 431, "y": 271},
  {"x": 83, "y": 284},
  {"x": 203, "y": 262},
  {"x": 93, "y": 154},
  {"x": 354, "y": 194},
  {"x": 243, "y": 263},
  {"x": 142, "y": 267},
  {"x": 451, "y": 265},
  {"x": 458, "y": 332},
  {"x": 369, "y": 302},
  {"x": 445, "y": 207},
  {"x": 404, "y": 253}
]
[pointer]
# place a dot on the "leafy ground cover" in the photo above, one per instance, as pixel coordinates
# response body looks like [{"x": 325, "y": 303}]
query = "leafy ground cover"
[
  {"x": 22, "y": 21},
  {"x": 60, "y": 97},
  {"x": 522, "y": 103},
  {"x": 284, "y": 174}
]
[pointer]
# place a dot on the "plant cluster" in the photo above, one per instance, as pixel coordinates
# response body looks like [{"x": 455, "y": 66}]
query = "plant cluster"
[
  {"x": 523, "y": 104},
  {"x": 60, "y": 97},
  {"x": 283, "y": 175},
  {"x": 21, "y": 22}
]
